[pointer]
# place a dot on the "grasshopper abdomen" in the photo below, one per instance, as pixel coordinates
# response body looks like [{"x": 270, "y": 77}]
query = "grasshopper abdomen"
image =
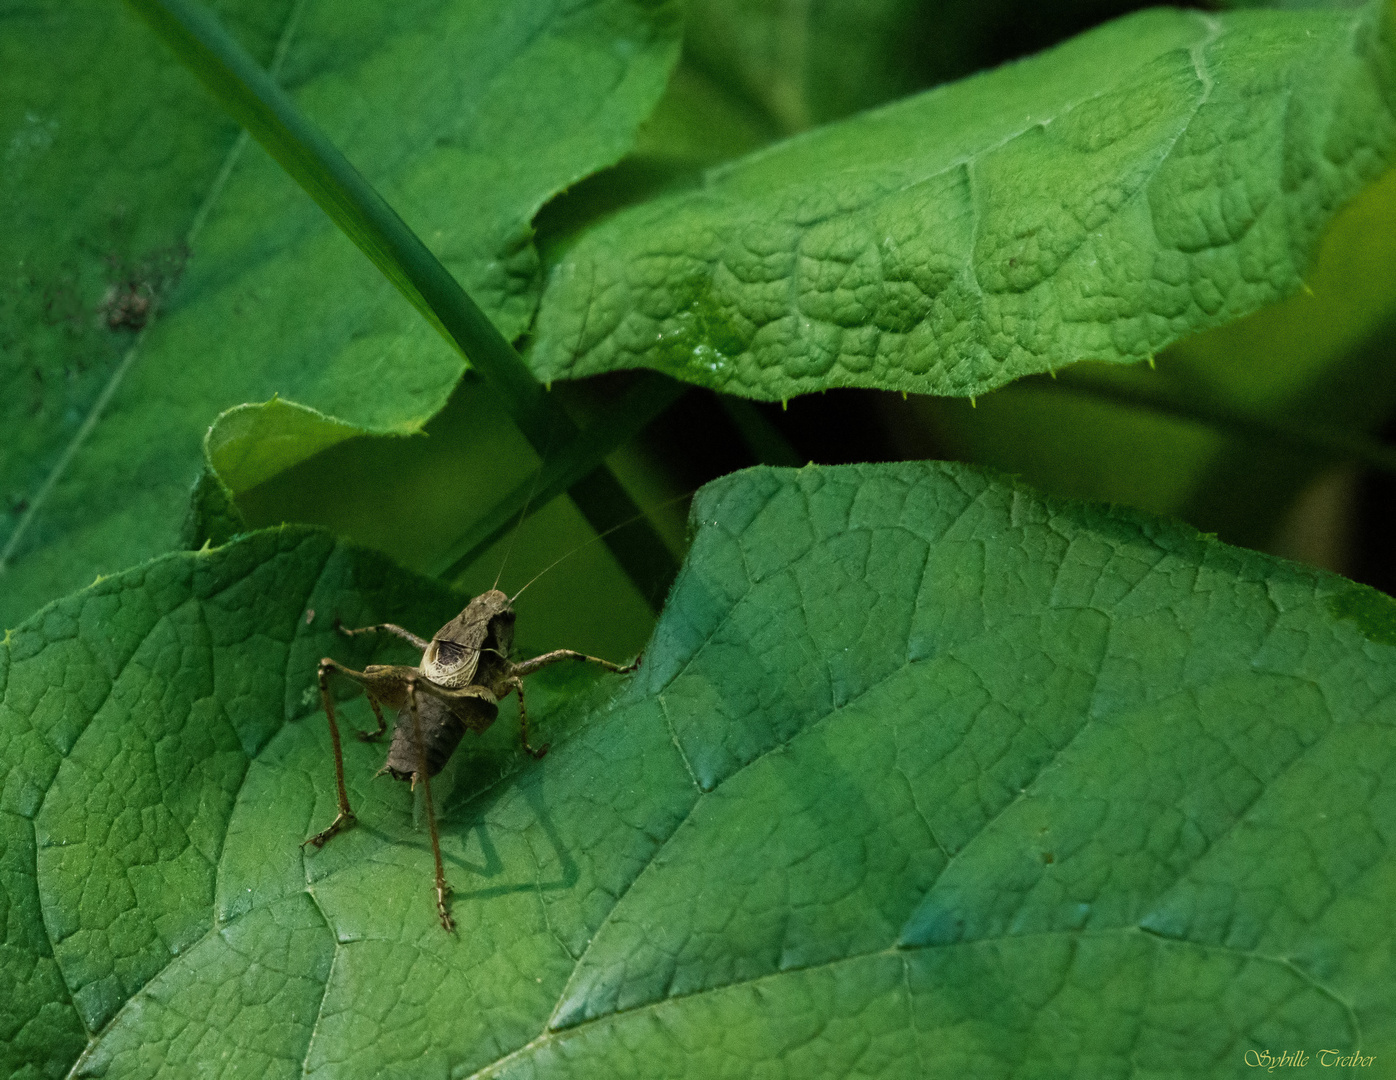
[{"x": 442, "y": 730}]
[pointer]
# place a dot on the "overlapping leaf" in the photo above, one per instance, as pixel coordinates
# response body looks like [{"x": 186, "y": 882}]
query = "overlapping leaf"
[
  {"x": 922, "y": 775},
  {"x": 1319, "y": 360},
  {"x": 1165, "y": 173},
  {"x": 467, "y": 115}
]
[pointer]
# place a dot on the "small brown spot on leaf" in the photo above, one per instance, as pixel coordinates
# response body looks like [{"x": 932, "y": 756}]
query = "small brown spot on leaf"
[
  {"x": 126, "y": 306},
  {"x": 135, "y": 287}
]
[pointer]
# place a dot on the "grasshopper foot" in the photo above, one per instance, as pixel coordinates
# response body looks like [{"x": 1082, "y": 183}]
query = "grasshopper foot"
[
  {"x": 538, "y": 751},
  {"x": 339, "y": 824},
  {"x": 443, "y": 896}
]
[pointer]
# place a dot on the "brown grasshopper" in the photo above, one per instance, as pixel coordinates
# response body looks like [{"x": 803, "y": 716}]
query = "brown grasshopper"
[{"x": 464, "y": 673}]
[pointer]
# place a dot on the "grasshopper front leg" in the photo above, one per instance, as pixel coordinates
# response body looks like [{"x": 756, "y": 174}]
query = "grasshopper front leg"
[
  {"x": 384, "y": 628},
  {"x": 516, "y": 685},
  {"x": 528, "y": 667},
  {"x": 377, "y": 628},
  {"x": 372, "y": 736}
]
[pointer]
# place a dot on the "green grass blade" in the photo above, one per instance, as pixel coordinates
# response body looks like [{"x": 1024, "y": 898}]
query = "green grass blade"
[
  {"x": 252, "y": 98},
  {"x": 563, "y": 471}
]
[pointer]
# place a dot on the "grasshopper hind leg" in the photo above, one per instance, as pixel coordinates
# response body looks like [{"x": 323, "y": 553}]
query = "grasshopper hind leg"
[
  {"x": 423, "y": 773},
  {"x": 345, "y": 817},
  {"x": 379, "y": 682}
]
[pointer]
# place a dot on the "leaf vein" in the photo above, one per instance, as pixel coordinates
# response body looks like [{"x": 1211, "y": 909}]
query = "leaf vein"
[{"x": 902, "y": 952}]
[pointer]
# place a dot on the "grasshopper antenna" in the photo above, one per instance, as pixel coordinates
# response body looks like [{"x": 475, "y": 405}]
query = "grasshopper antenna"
[
  {"x": 601, "y": 536},
  {"x": 523, "y": 514}
]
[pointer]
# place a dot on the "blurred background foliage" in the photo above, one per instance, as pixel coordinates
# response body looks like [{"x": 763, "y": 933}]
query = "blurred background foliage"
[{"x": 1219, "y": 432}]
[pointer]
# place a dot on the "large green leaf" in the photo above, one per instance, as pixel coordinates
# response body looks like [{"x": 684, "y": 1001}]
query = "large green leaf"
[
  {"x": 466, "y": 114},
  {"x": 1320, "y": 359},
  {"x": 922, "y": 775},
  {"x": 1165, "y": 173}
]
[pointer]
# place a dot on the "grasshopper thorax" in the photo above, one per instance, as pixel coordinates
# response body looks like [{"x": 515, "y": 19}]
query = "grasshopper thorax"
[{"x": 482, "y": 634}]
